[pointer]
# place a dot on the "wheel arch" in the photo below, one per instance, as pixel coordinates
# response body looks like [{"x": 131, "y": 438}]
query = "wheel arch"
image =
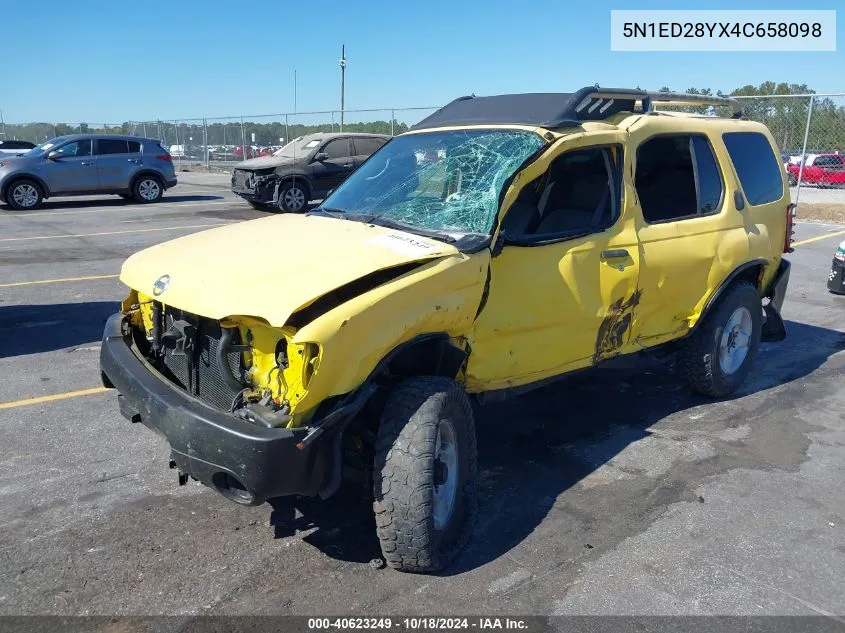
[
  {"x": 285, "y": 178},
  {"x": 750, "y": 271},
  {"x": 147, "y": 172},
  {"x": 45, "y": 190},
  {"x": 432, "y": 354}
]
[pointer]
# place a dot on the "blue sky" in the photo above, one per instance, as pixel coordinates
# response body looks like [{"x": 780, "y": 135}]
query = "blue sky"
[{"x": 109, "y": 61}]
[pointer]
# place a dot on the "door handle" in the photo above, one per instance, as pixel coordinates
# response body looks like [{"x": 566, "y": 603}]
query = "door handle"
[
  {"x": 347, "y": 165},
  {"x": 614, "y": 253},
  {"x": 133, "y": 160},
  {"x": 86, "y": 164}
]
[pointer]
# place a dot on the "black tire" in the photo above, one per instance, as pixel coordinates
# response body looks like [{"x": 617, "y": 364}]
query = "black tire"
[
  {"x": 24, "y": 194},
  {"x": 699, "y": 360},
  {"x": 291, "y": 202},
  {"x": 147, "y": 188},
  {"x": 406, "y": 470}
]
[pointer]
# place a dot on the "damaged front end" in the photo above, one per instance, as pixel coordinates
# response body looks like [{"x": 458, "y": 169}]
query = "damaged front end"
[
  {"x": 225, "y": 395},
  {"x": 258, "y": 185}
]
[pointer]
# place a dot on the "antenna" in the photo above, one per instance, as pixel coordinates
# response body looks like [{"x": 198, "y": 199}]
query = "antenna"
[{"x": 342, "y": 82}]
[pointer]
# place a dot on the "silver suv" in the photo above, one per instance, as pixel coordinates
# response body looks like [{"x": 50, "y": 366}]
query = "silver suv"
[{"x": 86, "y": 164}]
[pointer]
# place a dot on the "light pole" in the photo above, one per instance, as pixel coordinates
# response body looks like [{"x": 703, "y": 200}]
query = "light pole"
[{"x": 342, "y": 82}]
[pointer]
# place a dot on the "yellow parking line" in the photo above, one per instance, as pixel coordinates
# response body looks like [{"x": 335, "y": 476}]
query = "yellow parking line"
[
  {"x": 55, "y": 237},
  {"x": 55, "y": 281},
  {"x": 56, "y": 396},
  {"x": 818, "y": 238}
]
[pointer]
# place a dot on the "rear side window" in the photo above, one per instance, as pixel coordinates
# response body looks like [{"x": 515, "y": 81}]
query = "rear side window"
[
  {"x": 134, "y": 147},
  {"x": 677, "y": 177},
  {"x": 110, "y": 146},
  {"x": 367, "y": 146},
  {"x": 756, "y": 165}
]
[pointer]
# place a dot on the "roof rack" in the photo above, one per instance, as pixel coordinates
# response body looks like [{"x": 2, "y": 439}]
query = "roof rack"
[
  {"x": 686, "y": 98},
  {"x": 555, "y": 110}
]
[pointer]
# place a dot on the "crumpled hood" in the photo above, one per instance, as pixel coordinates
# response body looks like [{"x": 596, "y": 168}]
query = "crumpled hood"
[
  {"x": 268, "y": 268},
  {"x": 265, "y": 162}
]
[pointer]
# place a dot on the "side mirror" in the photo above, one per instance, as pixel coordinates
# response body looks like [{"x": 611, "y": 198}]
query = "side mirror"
[
  {"x": 319, "y": 157},
  {"x": 54, "y": 155}
]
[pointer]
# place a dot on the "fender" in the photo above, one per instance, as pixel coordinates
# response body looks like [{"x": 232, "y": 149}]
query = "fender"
[
  {"x": 427, "y": 354},
  {"x": 44, "y": 188},
  {"x": 737, "y": 272},
  {"x": 147, "y": 172}
]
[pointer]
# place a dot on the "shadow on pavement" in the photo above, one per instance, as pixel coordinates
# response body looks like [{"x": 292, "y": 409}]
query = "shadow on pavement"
[
  {"x": 32, "y": 329},
  {"x": 536, "y": 446}
]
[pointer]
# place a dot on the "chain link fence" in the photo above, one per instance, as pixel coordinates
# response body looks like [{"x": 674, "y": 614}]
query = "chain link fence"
[
  {"x": 219, "y": 143},
  {"x": 809, "y": 129}
]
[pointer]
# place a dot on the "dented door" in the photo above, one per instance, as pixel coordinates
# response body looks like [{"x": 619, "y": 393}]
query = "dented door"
[{"x": 557, "y": 306}]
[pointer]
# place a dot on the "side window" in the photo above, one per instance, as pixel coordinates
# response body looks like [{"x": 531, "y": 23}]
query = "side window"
[
  {"x": 77, "y": 148},
  {"x": 677, "y": 177},
  {"x": 110, "y": 146},
  {"x": 134, "y": 147},
  {"x": 757, "y": 168},
  {"x": 366, "y": 146},
  {"x": 578, "y": 194},
  {"x": 337, "y": 149}
]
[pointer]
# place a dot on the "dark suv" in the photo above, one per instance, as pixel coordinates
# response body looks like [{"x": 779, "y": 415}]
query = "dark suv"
[
  {"x": 85, "y": 164},
  {"x": 305, "y": 169}
]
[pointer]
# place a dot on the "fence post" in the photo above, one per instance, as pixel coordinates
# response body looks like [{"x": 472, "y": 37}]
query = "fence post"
[
  {"x": 176, "y": 133},
  {"x": 205, "y": 143},
  {"x": 243, "y": 140},
  {"x": 392, "y": 119},
  {"x": 287, "y": 134},
  {"x": 145, "y": 129},
  {"x": 804, "y": 151}
]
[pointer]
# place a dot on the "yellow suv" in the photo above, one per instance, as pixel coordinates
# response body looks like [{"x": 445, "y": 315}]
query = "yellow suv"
[{"x": 502, "y": 243}]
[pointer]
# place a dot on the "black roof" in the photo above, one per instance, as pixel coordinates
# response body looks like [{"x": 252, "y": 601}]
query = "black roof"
[{"x": 555, "y": 109}]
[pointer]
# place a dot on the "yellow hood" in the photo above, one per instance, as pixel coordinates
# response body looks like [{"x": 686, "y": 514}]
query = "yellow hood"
[{"x": 269, "y": 268}]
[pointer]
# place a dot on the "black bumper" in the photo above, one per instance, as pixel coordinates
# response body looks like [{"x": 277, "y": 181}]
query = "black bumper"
[
  {"x": 171, "y": 183},
  {"x": 210, "y": 445},
  {"x": 836, "y": 279}
]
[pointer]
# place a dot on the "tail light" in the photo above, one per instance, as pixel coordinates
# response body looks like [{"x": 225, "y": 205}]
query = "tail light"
[
  {"x": 790, "y": 228},
  {"x": 166, "y": 157}
]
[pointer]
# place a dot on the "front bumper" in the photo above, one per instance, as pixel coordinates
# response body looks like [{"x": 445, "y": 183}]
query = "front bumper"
[{"x": 244, "y": 462}]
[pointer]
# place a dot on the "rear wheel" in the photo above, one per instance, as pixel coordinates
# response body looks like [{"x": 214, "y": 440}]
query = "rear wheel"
[
  {"x": 425, "y": 474},
  {"x": 147, "y": 189},
  {"x": 293, "y": 196},
  {"x": 718, "y": 356},
  {"x": 24, "y": 195}
]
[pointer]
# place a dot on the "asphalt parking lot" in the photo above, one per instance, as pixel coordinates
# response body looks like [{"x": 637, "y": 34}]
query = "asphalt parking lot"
[{"x": 612, "y": 493}]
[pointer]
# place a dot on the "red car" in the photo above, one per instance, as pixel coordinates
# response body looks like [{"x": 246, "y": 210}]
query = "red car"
[
  {"x": 250, "y": 152},
  {"x": 823, "y": 170}
]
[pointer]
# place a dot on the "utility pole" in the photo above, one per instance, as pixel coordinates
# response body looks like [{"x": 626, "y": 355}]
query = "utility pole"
[{"x": 342, "y": 82}]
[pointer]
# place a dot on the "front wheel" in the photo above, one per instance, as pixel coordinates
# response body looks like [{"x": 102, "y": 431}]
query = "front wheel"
[
  {"x": 424, "y": 480},
  {"x": 147, "y": 189},
  {"x": 293, "y": 197},
  {"x": 24, "y": 195},
  {"x": 717, "y": 358}
]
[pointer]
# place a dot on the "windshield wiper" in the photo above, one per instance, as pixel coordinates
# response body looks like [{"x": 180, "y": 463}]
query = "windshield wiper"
[{"x": 409, "y": 228}]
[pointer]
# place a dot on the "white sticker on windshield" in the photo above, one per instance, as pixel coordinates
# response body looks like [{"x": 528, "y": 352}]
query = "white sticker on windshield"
[{"x": 404, "y": 244}]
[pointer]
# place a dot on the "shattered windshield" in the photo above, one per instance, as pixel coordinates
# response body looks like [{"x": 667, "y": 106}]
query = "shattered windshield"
[{"x": 438, "y": 181}]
